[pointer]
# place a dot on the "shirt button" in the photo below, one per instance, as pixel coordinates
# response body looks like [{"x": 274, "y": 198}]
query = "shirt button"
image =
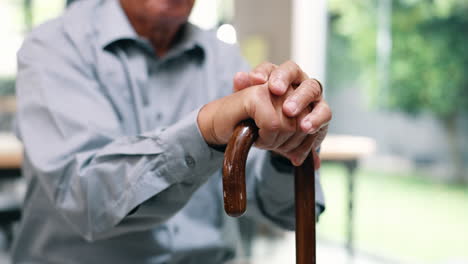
[
  {"x": 159, "y": 116},
  {"x": 189, "y": 161}
]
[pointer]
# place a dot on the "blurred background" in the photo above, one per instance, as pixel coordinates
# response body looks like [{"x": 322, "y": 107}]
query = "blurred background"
[{"x": 394, "y": 171}]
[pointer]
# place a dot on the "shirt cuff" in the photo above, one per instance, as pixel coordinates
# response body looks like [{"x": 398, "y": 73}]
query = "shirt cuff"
[
  {"x": 276, "y": 185},
  {"x": 188, "y": 158},
  {"x": 280, "y": 163}
]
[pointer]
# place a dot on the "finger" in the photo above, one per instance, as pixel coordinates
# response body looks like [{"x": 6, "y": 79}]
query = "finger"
[
  {"x": 295, "y": 140},
  {"x": 288, "y": 129},
  {"x": 265, "y": 115},
  {"x": 320, "y": 136},
  {"x": 318, "y": 118},
  {"x": 292, "y": 143},
  {"x": 262, "y": 72},
  {"x": 317, "y": 162},
  {"x": 241, "y": 81},
  {"x": 309, "y": 91},
  {"x": 288, "y": 73},
  {"x": 299, "y": 154}
]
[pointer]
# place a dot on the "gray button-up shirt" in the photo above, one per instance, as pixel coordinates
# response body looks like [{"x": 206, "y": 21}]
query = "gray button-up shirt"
[{"x": 117, "y": 169}]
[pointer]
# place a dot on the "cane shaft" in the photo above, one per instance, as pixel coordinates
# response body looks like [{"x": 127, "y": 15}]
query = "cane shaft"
[
  {"x": 305, "y": 212},
  {"x": 235, "y": 196}
]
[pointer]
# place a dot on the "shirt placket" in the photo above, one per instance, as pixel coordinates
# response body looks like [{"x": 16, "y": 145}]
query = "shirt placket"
[{"x": 137, "y": 75}]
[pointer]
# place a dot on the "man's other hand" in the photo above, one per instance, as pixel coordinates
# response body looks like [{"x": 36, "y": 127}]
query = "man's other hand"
[
  {"x": 278, "y": 132},
  {"x": 305, "y": 103}
]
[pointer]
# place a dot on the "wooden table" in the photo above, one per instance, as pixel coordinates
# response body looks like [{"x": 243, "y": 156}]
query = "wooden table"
[
  {"x": 11, "y": 155},
  {"x": 347, "y": 150}
]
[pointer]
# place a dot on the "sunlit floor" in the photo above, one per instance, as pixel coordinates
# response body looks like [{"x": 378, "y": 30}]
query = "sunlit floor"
[{"x": 283, "y": 251}]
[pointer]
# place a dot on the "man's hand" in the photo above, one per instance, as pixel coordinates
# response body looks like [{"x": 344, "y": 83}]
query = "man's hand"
[
  {"x": 277, "y": 131},
  {"x": 305, "y": 103}
]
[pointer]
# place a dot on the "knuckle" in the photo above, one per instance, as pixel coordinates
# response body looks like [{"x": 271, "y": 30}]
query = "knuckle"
[
  {"x": 329, "y": 113},
  {"x": 253, "y": 72},
  {"x": 270, "y": 65},
  {"x": 300, "y": 154},
  {"x": 313, "y": 90},
  {"x": 281, "y": 72},
  {"x": 270, "y": 125},
  {"x": 260, "y": 66},
  {"x": 317, "y": 85},
  {"x": 258, "y": 93},
  {"x": 270, "y": 144},
  {"x": 291, "y": 64},
  {"x": 304, "y": 148},
  {"x": 325, "y": 112},
  {"x": 265, "y": 66},
  {"x": 294, "y": 68},
  {"x": 273, "y": 125},
  {"x": 290, "y": 129},
  {"x": 286, "y": 148},
  {"x": 289, "y": 126},
  {"x": 265, "y": 140},
  {"x": 260, "y": 143}
]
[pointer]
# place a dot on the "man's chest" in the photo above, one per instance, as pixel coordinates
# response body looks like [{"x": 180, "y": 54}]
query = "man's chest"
[{"x": 147, "y": 93}]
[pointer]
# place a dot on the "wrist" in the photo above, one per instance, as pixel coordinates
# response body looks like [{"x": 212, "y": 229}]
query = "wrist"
[
  {"x": 217, "y": 119},
  {"x": 205, "y": 124}
]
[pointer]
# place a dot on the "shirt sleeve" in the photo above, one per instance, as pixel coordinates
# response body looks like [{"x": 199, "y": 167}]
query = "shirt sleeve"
[{"x": 76, "y": 147}]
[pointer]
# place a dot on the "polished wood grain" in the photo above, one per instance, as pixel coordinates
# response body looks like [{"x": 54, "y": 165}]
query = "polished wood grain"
[
  {"x": 235, "y": 157},
  {"x": 305, "y": 212},
  {"x": 234, "y": 189}
]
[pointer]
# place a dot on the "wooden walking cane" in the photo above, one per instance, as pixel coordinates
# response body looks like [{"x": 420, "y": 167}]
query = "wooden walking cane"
[{"x": 234, "y": 188}]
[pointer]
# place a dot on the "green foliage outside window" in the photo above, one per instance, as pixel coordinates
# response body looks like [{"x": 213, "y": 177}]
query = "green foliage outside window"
[{"x": 429, "y": 58}]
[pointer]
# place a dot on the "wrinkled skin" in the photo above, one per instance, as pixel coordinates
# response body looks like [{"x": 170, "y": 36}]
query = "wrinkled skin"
[{"x": 285, "y": 103}]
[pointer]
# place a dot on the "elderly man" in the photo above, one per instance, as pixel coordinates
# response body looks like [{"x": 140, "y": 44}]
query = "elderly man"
[{"x": 124, "y": 109}]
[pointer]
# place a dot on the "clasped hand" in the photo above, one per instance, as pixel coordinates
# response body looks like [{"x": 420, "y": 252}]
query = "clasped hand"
[{"x": 286, "y": 105}]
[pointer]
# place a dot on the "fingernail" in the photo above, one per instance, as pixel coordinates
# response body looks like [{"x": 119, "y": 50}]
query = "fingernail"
[
  {"x": 296, "y": 161},
  {"x": 311, "y": 129},
  {"x": 307, "y": 125},
  {"x": 299, "y": 161},
  {"x": 291, "y": 106}
]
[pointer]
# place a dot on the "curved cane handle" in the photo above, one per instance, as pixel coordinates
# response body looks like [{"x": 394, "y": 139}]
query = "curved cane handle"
[
  {"x": 235, "y": 199},
  {"x": 235, "y": 157}
]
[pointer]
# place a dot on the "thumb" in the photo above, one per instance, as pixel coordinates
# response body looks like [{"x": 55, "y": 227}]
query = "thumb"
[{"x": 244, "y": 80}]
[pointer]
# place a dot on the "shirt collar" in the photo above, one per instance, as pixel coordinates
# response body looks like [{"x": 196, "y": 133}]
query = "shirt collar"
[
  {"x": 115, "y": 26},
  {"x": 190, "y": 38}
]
